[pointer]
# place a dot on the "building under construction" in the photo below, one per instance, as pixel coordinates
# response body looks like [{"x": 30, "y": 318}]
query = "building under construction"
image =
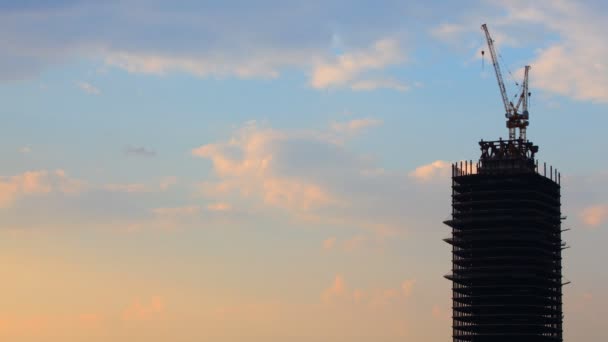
[{"x": 506, "y": 239}]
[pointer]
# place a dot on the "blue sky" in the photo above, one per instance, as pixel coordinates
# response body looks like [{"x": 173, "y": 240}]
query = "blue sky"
[{"x": 275, "y": 162}]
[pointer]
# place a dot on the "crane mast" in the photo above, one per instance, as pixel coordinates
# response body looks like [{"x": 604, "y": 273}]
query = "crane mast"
[
  {"x": 514, "y": 118},
  {"x": 523, "y": 101}
]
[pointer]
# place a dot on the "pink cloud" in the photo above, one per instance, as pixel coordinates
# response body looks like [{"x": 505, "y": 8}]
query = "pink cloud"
[
  {"x": 37, "y": 183},
  {"x": 245, "y": 165},
  {"x": 595, "y": 215}
]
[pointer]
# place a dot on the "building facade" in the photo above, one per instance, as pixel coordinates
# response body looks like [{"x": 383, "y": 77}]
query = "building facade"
[{"x": 506, "y": 246}]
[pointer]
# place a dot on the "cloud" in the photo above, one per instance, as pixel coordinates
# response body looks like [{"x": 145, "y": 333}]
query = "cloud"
[
  {"x": 448, "y": 31},
  {"x": 356, "y": 125},
  {"x": 329, "y": 243},
  {"x": 265, "y": 65},
  {"x": 177, "y": 211},
  {"x": 595, "y": 215},
  {"x": 373, "y": 84},
  {"x": 167, "y": 182},
  {"x": 25, "y": 149},
  {"x": 41, "y": 182},
  {"x": 355, "y": 242},
  {"x": 220, "y": 206},
  {"x": 203, "y": 39},
  {"x": 407, "y": 286},
  {"x": 88, "y": 88},
  {"x": 570, "y": 63},
  {"x": 572, "y": 66},
  {"x": 163, "y": 185},
  {"x": 337, "y": 289},
  {"x": 139, "y": 151},
  {"x": 143, "y": 311},
  {"x": 339, "y": 292},
  {"x": 441, "y": 313},
  {"x": 346, "y": 68},
  {"x": 246, "y": 164},
  {"x": 438, "y": 169},
  {"x": 315, "y": 178},
  {"x": 126, "y": 187}
]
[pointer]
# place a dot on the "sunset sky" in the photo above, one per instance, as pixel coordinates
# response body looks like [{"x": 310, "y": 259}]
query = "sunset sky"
[{"x": 276, "y": 171}]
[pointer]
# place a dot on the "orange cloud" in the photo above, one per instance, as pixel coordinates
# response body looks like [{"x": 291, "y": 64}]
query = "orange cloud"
[
  {"x": 220, "y": 206},
  {"x": 375, "y": 298},
  {"x": 595, "y": 215},
  {"x": 139, "y": 311},
  {"x": 407, "y": 286},
  {"x": 337, "y": 289},
  {"x": 329, "y": 243}
]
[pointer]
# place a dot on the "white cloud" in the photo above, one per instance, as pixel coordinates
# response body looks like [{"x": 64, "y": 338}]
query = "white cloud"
[
  {"x": 356, "y": 125},
  {"x": 447, "y": 31},
  {"x": 264, "y": 66},
  {"x": 346, "y": 68},
  {"x": 88, "y": 88},
  {"x": 126, "y": 187},
  {"x": 25, "y": 149},
  {"x": 373, "y": 84},
  {"x": 571, "y": 64}
]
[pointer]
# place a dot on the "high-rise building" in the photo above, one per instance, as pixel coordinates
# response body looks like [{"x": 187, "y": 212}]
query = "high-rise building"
[{"x": 506, "y": 246}]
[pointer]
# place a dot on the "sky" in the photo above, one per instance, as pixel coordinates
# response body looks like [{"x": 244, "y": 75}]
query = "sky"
[{"x": 273, "y": 170}]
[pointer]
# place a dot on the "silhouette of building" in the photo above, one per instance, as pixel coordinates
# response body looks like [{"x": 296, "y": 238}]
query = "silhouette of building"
[{"x": 506, "y": 246}]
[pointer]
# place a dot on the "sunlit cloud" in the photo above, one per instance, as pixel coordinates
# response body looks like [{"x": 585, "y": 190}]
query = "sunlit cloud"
[
  {"x": 438, "y": 169},
  {"x": 348, "y": 67},
  {"x": 41, "y": 182},
  {"x": 329, "y": 243},
  {"x": 595, "y": 215},
  {"x": 569, "y": 65},
  {"x": 139, "y": 310},
  {"x": 220, "y": 206}
]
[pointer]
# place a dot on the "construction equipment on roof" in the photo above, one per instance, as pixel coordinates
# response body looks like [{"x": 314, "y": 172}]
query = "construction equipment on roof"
[{"x": 515, "y": 118}]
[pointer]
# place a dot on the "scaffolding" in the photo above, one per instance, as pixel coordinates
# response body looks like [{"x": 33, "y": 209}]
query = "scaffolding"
[{"x": 506, "y": 246}]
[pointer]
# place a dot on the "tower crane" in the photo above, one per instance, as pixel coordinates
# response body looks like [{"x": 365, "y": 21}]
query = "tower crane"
[{"x": 515, "y": 119}]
